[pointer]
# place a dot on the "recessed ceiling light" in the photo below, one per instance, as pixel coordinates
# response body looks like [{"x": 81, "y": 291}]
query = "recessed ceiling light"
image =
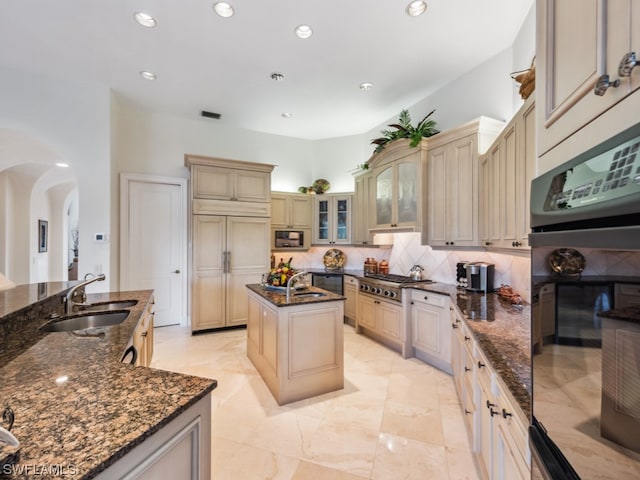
[
  {"x": 148, "y": 75},
  {"x": 62, "y": 165},
  {"x": 416, "y": 8},
  {"x": 145, "y": 19},
  {"x": 287, "y": 115},
  {"x": 304, "y": 31},
  {"x": 365, "y": 86},
  {"x": 223, "y": 9},
  {"x": 278, "y": 77}
]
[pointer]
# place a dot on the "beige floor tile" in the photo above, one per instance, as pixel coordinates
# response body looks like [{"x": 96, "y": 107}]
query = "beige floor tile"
[
  {"x": 395, "y": 419},
  {"x": 407, "y": 459},
  {"x": 312, "y": 471}
]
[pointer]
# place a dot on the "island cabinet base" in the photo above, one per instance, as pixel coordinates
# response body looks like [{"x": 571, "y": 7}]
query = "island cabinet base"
[
  {"x": 180, "y": 449},
  {"x": 299, "y": 349}
]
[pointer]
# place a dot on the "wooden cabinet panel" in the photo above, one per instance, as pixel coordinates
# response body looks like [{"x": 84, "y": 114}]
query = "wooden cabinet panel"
[
  {"x": 291, "y": 210},
  {"x": 578, "y": 41},
  {"x": 431, "y": 328},
  {"x": 332, "y": 219},
  {"x": 350, "y": 285}
]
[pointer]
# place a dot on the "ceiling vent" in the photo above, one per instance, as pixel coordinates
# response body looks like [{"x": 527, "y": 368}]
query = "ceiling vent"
[{"x": 211, "y": 115}]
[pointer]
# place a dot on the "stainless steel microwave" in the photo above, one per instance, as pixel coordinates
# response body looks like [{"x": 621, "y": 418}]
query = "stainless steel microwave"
[{"x": 289, "y": 238}]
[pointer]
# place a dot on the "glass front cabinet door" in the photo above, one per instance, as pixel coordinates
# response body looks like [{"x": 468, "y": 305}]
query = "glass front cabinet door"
[
  {"x": 396, "y": 195},
  {"x": 332, "y": 219}
]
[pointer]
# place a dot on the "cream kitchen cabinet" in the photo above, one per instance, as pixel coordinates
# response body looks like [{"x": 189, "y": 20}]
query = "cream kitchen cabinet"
[
  {"x": 360, "y": 234},
  {"x": 332, "y": 219},
  {"x": 228, "y": 253},
  {"x": 230, "y": 237},
  {"x": 580, "y": 43},
  {"x": 180, "y": 449},
  {"x": 381, "y": 319},
  {"x": 431, "y": 328},
  {"x": 397, "y": 194},
  {"x": 506, "y": 172},
  {"x": 291, "y": 211},
  {"x": 143, "y": 337},
  {"x": 350, "y": 286},
  {"x": 463, "y": 366},
  {"x": 626, "y": 294},
  {"x": 219, "y": 179},
  {"x": 453, "y": 182},
  {"x": 502, "y": 427}
]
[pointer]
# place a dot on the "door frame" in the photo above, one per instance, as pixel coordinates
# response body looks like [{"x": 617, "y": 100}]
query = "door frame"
[{"x": 126, "y": 179}]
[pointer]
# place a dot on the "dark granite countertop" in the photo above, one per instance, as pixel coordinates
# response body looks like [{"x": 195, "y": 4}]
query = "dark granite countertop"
[
  {"x": 279, "y": 298},
  {"x": 502, "y": 331},
  {"x": 627, "y": 314},
  {"x": 78, "y": 409}
]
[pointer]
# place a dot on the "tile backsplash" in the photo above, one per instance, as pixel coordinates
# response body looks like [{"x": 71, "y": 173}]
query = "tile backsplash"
[{"x": 439, "y": 265}]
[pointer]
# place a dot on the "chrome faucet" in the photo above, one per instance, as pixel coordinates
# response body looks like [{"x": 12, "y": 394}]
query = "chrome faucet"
[
  {"x": 78, "y": 291},
  {"x": 290, "y": 283}
]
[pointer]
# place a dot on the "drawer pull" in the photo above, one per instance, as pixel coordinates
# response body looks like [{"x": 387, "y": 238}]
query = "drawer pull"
[
  {"x": 454, "y": 326},
  {"x": 467, "y": 369},
  {"x": 603, "y": 83},
  {"x": 480, "y": 364},
  {"x": 490, "y": 405},
  {"x": 467, "y": 412},
  {"x": 506, "y": 414},
  {"x": 494, "y": 412},
  {"x": 426, "y": 297},
  {"x": 466, "y": 339}
]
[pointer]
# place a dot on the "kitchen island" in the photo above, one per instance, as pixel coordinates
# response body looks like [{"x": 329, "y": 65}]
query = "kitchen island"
[
  {"x": 82, "y": 413},
  {"x": 297, "y": 346}
]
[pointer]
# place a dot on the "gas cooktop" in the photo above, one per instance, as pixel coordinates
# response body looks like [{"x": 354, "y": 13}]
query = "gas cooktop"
[{"x": 395, "y": 278}]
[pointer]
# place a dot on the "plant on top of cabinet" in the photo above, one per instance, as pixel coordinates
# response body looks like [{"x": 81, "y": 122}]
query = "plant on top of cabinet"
[{"x": 404, "y": 129}]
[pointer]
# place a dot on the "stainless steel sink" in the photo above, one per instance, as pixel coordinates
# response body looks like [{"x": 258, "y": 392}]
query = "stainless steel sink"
[
  {"x": 83, "y": 321},
  {"x": 309, "y": 294},
  {"x": 105, "y": 306}
]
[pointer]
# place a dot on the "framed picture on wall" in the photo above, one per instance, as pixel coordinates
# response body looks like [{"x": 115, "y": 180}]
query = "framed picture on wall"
[{"x": 43, "y": 235}]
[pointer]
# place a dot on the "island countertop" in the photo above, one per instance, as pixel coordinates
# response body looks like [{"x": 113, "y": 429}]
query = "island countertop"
[
  {"x": 78, "y": 409},
  {"x": 279, "y": 298}
]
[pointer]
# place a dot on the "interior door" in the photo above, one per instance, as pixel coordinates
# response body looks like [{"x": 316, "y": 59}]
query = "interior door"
[{"x": 153, "y": 242}]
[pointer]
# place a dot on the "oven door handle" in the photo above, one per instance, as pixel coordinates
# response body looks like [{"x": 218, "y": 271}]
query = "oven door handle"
[{"x": 552, "y": 463}]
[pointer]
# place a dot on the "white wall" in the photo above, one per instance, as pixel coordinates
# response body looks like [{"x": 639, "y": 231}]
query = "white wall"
[{"x": 73, "y": 120}]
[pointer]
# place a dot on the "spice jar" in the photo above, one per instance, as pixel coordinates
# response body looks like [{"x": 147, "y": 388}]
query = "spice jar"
[{"x": 383, "y": 267}]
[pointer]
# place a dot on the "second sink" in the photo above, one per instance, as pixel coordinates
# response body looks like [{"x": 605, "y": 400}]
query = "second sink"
[
  {"x": 83, "y": 321},
  {"x": 104, "y": 306},
  {"x": 308, "y": 294}
]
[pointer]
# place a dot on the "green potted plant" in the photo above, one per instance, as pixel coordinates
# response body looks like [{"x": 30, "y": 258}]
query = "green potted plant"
[{"x": 403, "y": 129}]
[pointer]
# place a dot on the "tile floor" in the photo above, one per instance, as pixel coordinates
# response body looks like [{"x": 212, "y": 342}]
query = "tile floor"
[{"x": 395, "y": 418}]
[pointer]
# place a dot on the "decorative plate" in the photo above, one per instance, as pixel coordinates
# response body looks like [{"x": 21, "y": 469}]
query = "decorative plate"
[
  {"x": 567, "y": 261},
  {"x": 334, "y": 259}
]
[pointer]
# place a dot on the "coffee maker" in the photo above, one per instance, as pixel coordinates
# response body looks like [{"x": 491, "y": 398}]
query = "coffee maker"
[{"x": 480, "y": 277}]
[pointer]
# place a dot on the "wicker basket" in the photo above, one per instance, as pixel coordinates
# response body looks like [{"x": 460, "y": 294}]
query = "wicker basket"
[{"x": 526, "y": 79}]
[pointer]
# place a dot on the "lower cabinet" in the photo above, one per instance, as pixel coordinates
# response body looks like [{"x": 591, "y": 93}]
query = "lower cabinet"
[
  {"x": 143, "y": 337},
  {"x": 431, "y": 328},
  {"x": 626, "y": 294},
  {"x": 180, "y": 449},
  {"x": 383, "y": 320},
  {"x": 496, "y": 425},
  {"x": 350, "y": 286}
]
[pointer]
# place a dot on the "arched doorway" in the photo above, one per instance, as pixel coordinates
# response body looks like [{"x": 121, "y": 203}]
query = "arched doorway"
[{"x": 36, "y": 192}]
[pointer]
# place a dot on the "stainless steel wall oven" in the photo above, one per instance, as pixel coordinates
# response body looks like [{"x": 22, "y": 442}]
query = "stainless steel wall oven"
[{"x": 585, "y": 243}]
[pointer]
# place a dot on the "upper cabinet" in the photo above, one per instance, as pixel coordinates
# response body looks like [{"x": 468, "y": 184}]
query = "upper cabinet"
[
  {"x": 360, "y": 233},
  {"x": 291, "y": 210},
  {"x": 453, "y": 183},
  {"x": 395, "y": 187},
  {"x": 214, "y": 179},
  {"x": 580, "y": 46},
  {"x": 332, "y": 219},
  {"x": 506, "y": 171}
]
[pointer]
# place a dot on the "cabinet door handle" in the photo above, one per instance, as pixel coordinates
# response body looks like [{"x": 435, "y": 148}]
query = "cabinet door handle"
[
  {"x": 467, "y": 369},
  {"x": 480, "y": 364},
  {"x": 487, "y": 243},
  {"x": 467, "y": 412},
  {"x": 603, "y": 83},
  {"x": 454, "y": 326},
  {"x": 177, "y": 270},
  {"x": 490, "y": 405},
  {"x": 627, "y": 64},
  {"x": 506, "y": 414},
  {"x": 466, "y": 339}
]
